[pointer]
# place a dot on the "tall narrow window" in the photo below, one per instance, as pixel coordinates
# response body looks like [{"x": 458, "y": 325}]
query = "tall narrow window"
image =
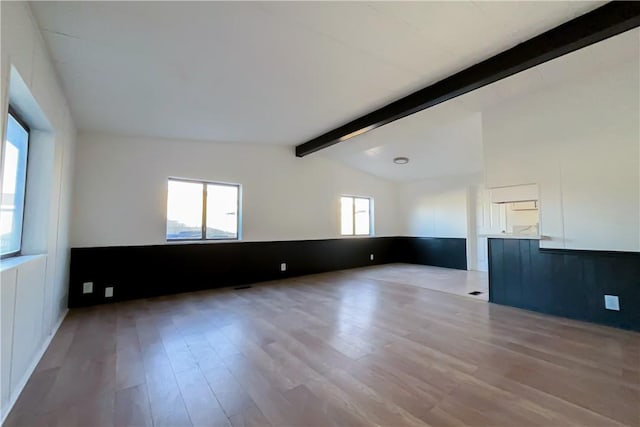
[
  {"x": 355, "y": 214},
  {"x": 14, "y": 177},
  {"x": 200, "y": 210}
]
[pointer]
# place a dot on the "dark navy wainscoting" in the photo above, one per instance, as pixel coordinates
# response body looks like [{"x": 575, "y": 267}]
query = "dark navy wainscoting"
[
  {"x": 436, "y": 251},
  {"x": 146, "y": 271},
  {"x": 568, "y": 283}
]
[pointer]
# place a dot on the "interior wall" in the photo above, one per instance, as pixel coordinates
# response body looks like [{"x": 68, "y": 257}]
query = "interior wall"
[
  {"x": 580, "y": 141},
  {"x": 121, "y": 182},
  {"x": 565, "y": 282},
  {"x": 436, "y": 207},
  {"x": 34, "y": 286},
  {"x": 441, "y": 208}
]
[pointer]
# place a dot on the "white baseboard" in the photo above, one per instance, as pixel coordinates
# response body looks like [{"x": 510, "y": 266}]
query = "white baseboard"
[{"x": 32, "y": 367}]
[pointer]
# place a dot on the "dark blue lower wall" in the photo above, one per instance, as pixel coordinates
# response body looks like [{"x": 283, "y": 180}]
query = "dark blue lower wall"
[
  {"x": 568, "y": 283},
  {"x": 146, "y": 271},
  {"x": 436, "y": 251}
]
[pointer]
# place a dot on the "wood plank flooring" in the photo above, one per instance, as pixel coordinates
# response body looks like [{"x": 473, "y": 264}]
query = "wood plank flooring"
[
  {"x": 459, "y": 282},
  {"x": 335, "y": 349}
]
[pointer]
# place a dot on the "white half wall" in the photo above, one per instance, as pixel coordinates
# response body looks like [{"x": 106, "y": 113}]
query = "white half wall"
[
  {"x": 580, "y": 142},
  {"x": 33, "y": 300},
  {"x": 121, "y": 189}
]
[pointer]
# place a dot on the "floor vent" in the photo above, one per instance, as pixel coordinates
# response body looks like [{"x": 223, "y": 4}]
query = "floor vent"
[
  {"x": 475, "y": 293},
  {"x": 242, "y": 287}
]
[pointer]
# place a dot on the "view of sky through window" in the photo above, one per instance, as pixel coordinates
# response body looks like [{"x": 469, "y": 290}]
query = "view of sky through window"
[
  {"x": 355, "y": 216},
  {"x": 193, "y": 206},
  {"x": 13, "y": 186}
]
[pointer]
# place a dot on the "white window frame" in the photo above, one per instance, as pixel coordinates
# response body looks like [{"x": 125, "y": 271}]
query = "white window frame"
[
  {"x": 16, "y": 116},
  {"x": 353, "y": 216},
  {"x": 204, "y": 184}
]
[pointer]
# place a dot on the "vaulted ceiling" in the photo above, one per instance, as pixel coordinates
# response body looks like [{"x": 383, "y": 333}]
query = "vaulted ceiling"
[
  {"x": 284, "y": 72},
  {"x": 446, "y": 140},
  {"x": 268, "y": 72}
]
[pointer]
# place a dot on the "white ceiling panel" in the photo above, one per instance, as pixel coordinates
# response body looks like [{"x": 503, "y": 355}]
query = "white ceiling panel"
[
  {"x": 285, "y": 72},
  {"x": 266, "y": 72},
  {"x": 446, "y": 140}
]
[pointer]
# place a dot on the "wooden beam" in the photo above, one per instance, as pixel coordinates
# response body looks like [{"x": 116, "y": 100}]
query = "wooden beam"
[{"x": 606, "y": 21}]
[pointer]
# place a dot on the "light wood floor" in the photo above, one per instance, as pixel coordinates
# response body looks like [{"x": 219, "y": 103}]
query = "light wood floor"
[
  {"x": 459, "y": 282},
  {"x": 333, "y": 349}
]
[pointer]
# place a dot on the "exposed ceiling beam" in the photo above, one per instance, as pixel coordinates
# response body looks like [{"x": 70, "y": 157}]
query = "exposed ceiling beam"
[{"x": 606, "y": 21}]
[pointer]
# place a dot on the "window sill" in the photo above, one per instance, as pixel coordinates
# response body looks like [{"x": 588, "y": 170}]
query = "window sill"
[
  {"x": 17, "y": 261},
  {"x": 199, "y": 241}
]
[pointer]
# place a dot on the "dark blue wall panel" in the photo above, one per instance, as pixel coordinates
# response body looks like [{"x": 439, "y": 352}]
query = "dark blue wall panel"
[
  {"x": 568, "y": 283},
  {"x": 436, "y": 251},
  {"x": 146, "y": 271}
]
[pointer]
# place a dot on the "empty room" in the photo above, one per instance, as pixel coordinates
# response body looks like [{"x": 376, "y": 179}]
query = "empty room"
[{"x": 320, "y": 214}]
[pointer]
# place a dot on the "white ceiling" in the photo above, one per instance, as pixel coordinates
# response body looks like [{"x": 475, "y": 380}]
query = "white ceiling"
[
  {"x": 275, "y": 72},
  {"x": 443, "y": 141},
  {"x": 446, "y": 140}
]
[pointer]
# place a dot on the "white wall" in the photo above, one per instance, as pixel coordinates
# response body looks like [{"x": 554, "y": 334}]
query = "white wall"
[
  {"x": 580, "y": 141},
  {"x": 442, "y": 207},
  {"x": 33, "y": 296},
  {"x": 436, "y": 207},
  {"x": 121, "y": 185}
]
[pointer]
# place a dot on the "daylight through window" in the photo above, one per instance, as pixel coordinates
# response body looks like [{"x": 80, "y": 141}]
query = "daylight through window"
[
  {"x": 14, "y": 177},
  {"x": 355, "y": 216},
  {"x": 199, "y": 210}
]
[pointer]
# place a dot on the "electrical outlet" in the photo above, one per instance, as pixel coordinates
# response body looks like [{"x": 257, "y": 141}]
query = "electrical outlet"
[
  {"x": 371, "y": 257},
  {"x": 283, "y": 266},
  {"x": 611, "y": 302},
  {"x": 108, "y": 292},
  {"x": 87, "y": 288}
]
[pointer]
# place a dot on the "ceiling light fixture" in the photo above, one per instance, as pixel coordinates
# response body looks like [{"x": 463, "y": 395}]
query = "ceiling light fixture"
[{"x": 401, "y": 160}]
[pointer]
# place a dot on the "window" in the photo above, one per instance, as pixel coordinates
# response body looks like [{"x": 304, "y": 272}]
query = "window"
[
  {"x": 14, "y": 179},
  {"x": 355, "y": 214},
  {"x": 199, "y": 210}
]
